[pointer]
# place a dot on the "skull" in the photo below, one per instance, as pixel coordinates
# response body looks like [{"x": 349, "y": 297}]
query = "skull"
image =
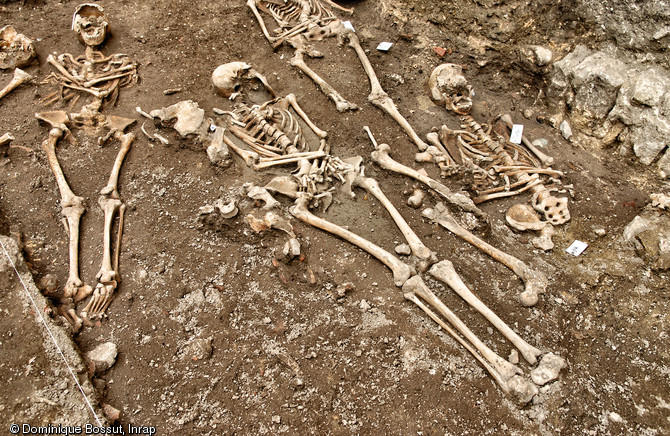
[
  {"x": 448, "y": 86},
  {"x": 90, "y": 23},
  {"x": 16, "y": 51},
  {"x": 227, "y": 78}
]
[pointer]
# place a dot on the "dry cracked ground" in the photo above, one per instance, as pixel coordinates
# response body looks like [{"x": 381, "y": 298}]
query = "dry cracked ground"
[{"x": 217, "y": 335}]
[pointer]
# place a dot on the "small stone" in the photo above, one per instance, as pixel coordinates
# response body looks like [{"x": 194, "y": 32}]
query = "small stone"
[
  {"x": 267, "y": 320},
  {"x": 440, "y": 51},
  {"x": 197, "y": 349},
  {"x": 403, "y": 250},
  {"x": 540, "y": 142},
  {"x": 599, "y": 231},
  {"x": 565, "y": 129},
  {"x": 48, "y": 284},
  {"x": 111, "y": 413},
  {"x": 103, "y": 356},
  {"x": 364, "y": 305},
  {"x": 143, "y": 274},
  {"x": 548, "y": 369},
  {"x": 276, "y": 419},
  {"x": 527, "y": 114},
  {"x": 513, "y": 357},
  {"x": 615, "y": 417}
]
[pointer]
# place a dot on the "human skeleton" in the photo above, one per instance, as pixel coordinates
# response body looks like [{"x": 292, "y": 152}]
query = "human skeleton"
[
  {"x": 301, "y": 23},
  {"x": 99, "y": 77},
  {"x": 274, "y": 136}
]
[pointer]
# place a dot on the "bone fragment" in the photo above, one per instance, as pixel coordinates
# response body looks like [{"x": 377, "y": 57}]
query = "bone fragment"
[
  {"x": 291, "y": 248},
  {"x": 544, "y": 242},
  {"x": 285, "y": 185},
  {"x": 16, "y": 50},
  {"x": 535, "y": 282},
  {"x": 20, "y": 77},
  {"x": 548, "y": 369},
  {"x": 445, "y": 272},
  {"x": 190, "y": 117},
  {"x": 341, "y": 104},
  {"x": 217, "y": 151},
  {"x": 227, "y": 210},
  {"x": 401, "y": 271},
  {"x": 523, "y": 217},
  {"x": 378, "y": 96},
  {"x": 4, "y": 140},
  {"x": 291, "y": 158},
  {"x": 262, "y": 194},
  {"x": 144, "y": 114},
  {"x": 506, "y": 374},
  {"x": 250, "y": 157},
  {"x": 416, "y": 199}
]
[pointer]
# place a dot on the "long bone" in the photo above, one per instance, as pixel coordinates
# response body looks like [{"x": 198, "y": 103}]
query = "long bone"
[
  {"x": 417, "y": 247},
  {"x": 72, "y": 208},
  {"x": 315, "y": 16},
  {"x": 383, "y": 159},
  {"x": 20, "y": 77},
  {"x": 110, "y": 202},
  {"x": 378, "y": 96},
  {"x": 341, "y": 104},
  {"x": 506, "y": 374},
  {"x": 401, "y": 271},
  {"x": 535, "y": 282},
  {"x": 444, "y": 271}
]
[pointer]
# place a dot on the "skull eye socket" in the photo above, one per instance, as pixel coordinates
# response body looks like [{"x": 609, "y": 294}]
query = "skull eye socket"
[{"x": 236, "y": 87}]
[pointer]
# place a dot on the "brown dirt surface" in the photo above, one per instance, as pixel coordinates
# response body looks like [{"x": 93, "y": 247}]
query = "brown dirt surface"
[{"x": 217, "y": 337}]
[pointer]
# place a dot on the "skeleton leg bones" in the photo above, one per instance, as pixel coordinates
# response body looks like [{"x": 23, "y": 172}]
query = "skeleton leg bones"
[
  {"x": 72, "y": 208},
  {"x": 108, "y": 276},
  {"x": 534, "y": 281}
]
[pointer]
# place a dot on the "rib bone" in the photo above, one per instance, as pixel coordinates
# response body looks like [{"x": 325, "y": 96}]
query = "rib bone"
[
  {"x": 534, "y": 281},
  {"x": 401, "y": 271},
  {"x": 445, "y": 272}
]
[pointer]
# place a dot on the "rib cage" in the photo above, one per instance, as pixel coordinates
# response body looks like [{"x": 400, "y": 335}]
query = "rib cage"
[
  {"x": 274, "y": 126},
  {"x": 291, "y": 13}
]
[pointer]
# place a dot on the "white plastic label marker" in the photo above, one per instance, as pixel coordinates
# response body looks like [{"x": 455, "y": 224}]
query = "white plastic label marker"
[
  {"x": 384, "y": 46},
  {"x": 577, "y": 247},
  {"x": 517, "y": 134},
  {"x": 348, "y": 25}
]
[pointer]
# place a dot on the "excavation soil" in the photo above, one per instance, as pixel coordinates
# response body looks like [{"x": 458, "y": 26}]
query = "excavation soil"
[{"x": 217, "y": 336}]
